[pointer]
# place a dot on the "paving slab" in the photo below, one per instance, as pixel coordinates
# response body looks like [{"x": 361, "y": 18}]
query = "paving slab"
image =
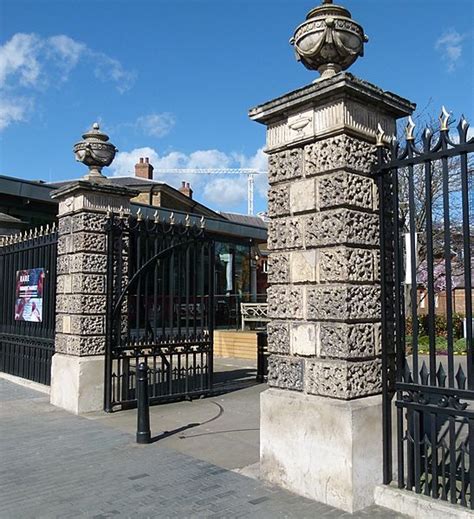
[{"x": 58, "y": 465}]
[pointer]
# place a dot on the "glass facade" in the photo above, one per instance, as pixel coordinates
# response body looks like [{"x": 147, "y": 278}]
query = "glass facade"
[{"x": 232, "y": 282}]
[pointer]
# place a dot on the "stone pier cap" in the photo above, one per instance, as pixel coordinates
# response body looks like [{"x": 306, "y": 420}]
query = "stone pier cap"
[
  {"x": 341, "y": 104},
  {"x": 84, "y": 195}
]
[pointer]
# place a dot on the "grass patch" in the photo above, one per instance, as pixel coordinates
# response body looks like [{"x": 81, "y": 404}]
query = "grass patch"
[{"x": 441, "y": 345}]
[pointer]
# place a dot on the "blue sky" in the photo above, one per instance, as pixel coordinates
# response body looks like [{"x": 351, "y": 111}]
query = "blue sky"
[{"x": 174, "y": 79}]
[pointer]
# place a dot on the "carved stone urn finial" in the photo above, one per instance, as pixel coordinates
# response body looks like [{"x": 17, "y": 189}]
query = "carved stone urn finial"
[
  {"x": 329, "y": 40},
  {"x": 94, "y": 151}
]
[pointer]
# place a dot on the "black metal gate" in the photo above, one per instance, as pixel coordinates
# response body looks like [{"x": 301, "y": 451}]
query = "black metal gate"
[
  {"x": 159, "y": 309},
  {"x": 28, "y": 302},
  {"x": 427, "y": 222}
]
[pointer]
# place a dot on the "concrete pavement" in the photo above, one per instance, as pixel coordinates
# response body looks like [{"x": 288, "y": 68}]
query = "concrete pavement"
[{"x": 57, "y": 465}]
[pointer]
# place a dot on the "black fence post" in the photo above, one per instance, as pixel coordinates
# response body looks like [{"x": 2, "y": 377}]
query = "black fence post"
[
  {"x": 261, "y": 356},
  {"x": 143, "y": 406}
]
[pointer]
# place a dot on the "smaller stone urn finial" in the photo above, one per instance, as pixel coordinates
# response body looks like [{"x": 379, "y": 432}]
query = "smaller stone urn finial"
[
  {"x": 329, "y": 40},
  {"x": 94, "y": 151}
]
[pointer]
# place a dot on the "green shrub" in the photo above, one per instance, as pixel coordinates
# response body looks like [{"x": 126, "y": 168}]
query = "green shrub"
[
  {"x": 460, "y": 346},
  {"x": 458, "y": 320},
  {"x": 441, "y": 344},
  {"x": 441, "y": 326}
]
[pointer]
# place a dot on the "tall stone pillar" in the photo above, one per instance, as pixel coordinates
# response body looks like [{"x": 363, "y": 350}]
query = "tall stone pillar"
[
  {"x": 77, "y": 375},
  {"x": 321, "y": 419}
]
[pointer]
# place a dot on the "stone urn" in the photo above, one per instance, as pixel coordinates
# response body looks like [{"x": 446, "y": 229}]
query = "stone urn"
[
  {"x": 329, "y": 40},
  {"x": 96, "y": 152}
]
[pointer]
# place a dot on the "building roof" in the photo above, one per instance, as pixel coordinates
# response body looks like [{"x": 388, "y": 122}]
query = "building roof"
[
  {"x": 245, "y": 219},
  {"x": 9, "y": 219},
  {"x": 119, "y": 181},
  {"x": 26, "y": 188}
]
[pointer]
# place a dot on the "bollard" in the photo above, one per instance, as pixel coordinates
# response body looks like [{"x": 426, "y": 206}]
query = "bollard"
[
  {"x": 143, "y": 406},
  {"x": 261, "y": 356}
]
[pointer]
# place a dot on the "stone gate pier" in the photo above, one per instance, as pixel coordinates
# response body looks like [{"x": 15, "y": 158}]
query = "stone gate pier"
[
  {"x": 321, "y": 418},
  {"x": 77, "y": 373}
]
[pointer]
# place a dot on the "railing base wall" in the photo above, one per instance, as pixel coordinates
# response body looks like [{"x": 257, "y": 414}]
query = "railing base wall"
[
  {"x": 417, "y": 505},
  {"x": 19, "y": 381}
]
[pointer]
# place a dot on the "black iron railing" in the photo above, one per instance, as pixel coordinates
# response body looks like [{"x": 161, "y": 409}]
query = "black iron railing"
[
  {"x": 426, "y": 211},
  {"x": 28, "y": 302}
]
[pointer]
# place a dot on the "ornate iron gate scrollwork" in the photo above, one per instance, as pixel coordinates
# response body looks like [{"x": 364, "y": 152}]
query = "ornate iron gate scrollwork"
[
  {"x": 160, "y": 278},
  {"x": 422, "y": 219}
]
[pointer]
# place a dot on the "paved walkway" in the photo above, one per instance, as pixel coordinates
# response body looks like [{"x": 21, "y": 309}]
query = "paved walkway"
[{"x": 54, "y": 464}]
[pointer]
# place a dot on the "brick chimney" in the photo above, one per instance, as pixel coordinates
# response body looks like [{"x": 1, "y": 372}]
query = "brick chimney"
[
  {"x": 144, "y": 169},
  {"x": 186, "y": 189}
]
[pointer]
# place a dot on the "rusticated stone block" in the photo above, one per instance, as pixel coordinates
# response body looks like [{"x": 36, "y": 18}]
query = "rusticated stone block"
[
  {"x": 81, "y": 304},
  {"x": 80, "y": 324},
  {"x": 94, "y": 222},
  {"x": 339, "y": 152},
  {"x": 285, "y": 165},
  {"x": 341, "y": 227},
  {"x": 278, "y": 200},
  {"x": 285, "y": 372},
  {"x": 285, "y": 302},
  {"x": 278, "y": 337},
  {"x": 89, "y": 242},
  {"x": 88, "y": 283},
  {"x": 65, "y": 225},
  {"x": 65, "y": 244},
  {"x": 87, "y": 324},
  {"x": 79, "y": 345},
  {"x": 303, "y": 339},
  {"x": 278, "y": 267},
  {"x": 88, "y": 262},
  {"x": 343, "y": 379},
  {"x": 378, "y": 338},
  {"x": 302, "y": 196},
  {"x": 303, "y": 266},
  {"x": 63, "y": 264},
  {"x": 64, "y": 283},
  {"x": 343, "y": 303},
  {"x": 346, "y": 189},
  {"x": 344, "y": 264},
  {"x": 346, "y": 341},
  {"x": 285, "y": 233},
  {"x": 389, "y": 268}
]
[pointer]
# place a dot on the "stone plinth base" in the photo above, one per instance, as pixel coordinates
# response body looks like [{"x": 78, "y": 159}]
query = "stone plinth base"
[
  {"x": 321, "y": 448},
  {"x": 77, "y": 383},
  {"x": 417, "y": 505}
]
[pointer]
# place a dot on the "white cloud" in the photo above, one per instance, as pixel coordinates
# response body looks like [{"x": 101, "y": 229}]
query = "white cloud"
[
  {"x": 226, "y": 192},
  {"x": 449, "y": 44},
  {"x": 18, "y": 59},
  {"x": 66, "y": 51},
  {"x": 221, "y": 192},
  {"x": 110, "y": 69},
  {"x": 14, "y": 110},
  {"x": 124, "y": 162},
  {"x": 29, "y": 62},
  {"x": 209, "y": 159},
  {"x": 156, "y": 125}
]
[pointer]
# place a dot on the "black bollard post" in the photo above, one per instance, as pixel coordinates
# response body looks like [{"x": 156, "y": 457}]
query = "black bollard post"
[
  {"x": 143, "y": 406},
  {"x": 261, "y": 357}
]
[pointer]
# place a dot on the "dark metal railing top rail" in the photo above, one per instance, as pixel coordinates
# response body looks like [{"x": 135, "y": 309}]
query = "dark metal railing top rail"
[
  {"x": 28, "y": 302},
  {"x": 160, "y": 308},
  {"x": 426, "y": 214}
]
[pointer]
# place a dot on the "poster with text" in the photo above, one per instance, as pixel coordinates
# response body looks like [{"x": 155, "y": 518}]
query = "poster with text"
[{"x": 29, "y": 295}]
